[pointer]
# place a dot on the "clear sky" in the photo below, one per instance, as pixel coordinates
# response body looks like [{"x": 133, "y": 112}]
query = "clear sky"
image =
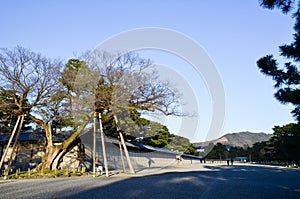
[{"x": 234, "y": 33}]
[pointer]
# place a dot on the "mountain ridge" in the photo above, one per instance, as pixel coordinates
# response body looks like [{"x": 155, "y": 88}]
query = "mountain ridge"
[{"x": 239, "y": 139}]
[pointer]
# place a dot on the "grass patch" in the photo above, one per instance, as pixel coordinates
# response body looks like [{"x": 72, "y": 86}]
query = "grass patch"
[{"x": 46, "y": 173}]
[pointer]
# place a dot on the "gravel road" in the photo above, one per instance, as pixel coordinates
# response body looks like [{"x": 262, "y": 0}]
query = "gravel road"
[{"x": 185, "y": 181}]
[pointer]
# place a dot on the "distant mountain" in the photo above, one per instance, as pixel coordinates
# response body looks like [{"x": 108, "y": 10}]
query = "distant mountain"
[{"x": 240, "y": 139}]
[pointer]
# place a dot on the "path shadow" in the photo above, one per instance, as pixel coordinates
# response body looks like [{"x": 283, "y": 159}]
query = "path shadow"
[
  {"x": 214, "y": 182},
  {"x": 210, "y": 181}
]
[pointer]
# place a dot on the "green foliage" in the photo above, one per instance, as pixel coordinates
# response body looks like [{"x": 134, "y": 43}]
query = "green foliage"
[
  {"x": 9, "y": 112},
  {"x": 261, "y": 152},
  {"x": 151, "y": 133},
  {"x": 68, "y": 76},
  {"x": 46, "y": 173},
  {"x": 191, "y": 150},
  {"x": 286, "y": 77},
  {"x": 63, "y": 116},
  {"x": 284, "y": 5},
  {"x": 161, "y": 138},
  {"x": 238, "y": 152},
  {"x": 181, "y": 144},
  {"x": 286, "y": 143},
  {"x": 219, "y": 151},
  {"x": 284, "y": 146},
  {"x": 136, "y": 128}
]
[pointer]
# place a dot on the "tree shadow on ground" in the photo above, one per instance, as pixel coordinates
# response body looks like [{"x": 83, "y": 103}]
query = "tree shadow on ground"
[
  {"x": 213, "y": 182},
  {"x": 210, "y": 181}
]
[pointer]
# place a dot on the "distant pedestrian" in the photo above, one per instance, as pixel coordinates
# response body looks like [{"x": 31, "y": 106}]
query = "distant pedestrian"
[
  {"x": 231, "y": 160},
  {"x": 227, "y": 162},
  {"x": 99, "y": 170},
  {"x": 179, "y": 159}
]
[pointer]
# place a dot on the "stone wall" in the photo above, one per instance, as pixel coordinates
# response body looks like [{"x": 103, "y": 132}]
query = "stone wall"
[{"x": 28, "y": 155}]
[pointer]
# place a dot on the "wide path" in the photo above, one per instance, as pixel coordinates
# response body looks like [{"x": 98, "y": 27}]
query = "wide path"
[{"x": 196, "y": 181}]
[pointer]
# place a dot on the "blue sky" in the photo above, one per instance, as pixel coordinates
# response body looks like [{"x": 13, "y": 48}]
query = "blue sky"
[{"x": 234, "y": 33}]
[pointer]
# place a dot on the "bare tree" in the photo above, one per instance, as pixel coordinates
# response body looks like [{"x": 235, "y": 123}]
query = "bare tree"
[
  {"x": 46, "y": 92},
  {"x": 124, "y": 82},
  {"x": 32, "y": 81}
]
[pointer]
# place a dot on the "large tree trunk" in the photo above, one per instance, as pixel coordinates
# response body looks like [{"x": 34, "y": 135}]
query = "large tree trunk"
[
  {"x": 56, "y": 160},
  {"x": 53, "y": 153},
  {"x": 49, "y": 157}
]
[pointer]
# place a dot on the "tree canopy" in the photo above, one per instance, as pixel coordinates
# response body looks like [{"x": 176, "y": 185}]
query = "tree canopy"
[
  {"x": 122, "y": 86},
  {"x": 56, "y": 96},
  {"x": 285, "y": 142},
  {"x": 286, "y": 76},
  {"x": 284, "y": 5},
  {"x": 284, "y": 145}
]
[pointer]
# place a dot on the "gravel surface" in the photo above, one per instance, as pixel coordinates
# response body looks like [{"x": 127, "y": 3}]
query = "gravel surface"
[{"x": 178, "y": 181}]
